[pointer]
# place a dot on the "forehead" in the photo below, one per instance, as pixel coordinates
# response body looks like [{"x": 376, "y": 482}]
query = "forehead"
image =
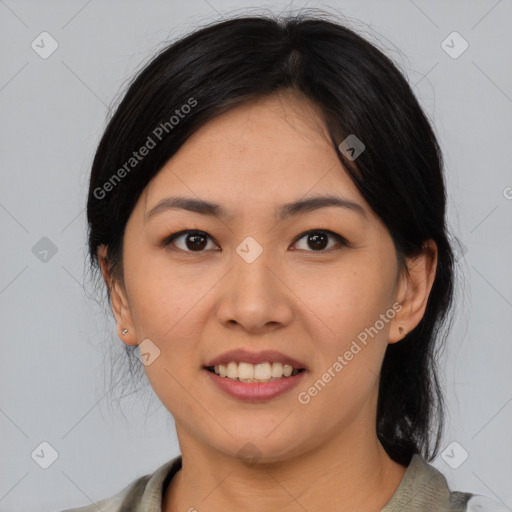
[
  {"x": 270, "y": 151},
  {"x": 284, "y": 114}
]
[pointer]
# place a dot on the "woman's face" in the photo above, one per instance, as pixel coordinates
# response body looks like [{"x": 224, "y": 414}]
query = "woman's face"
[{"x": 255, "y": 281}]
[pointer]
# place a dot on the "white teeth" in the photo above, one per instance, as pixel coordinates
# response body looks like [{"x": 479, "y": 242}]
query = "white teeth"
[
  {"x": 277, "y": 369},
  {"x": 261, "y": 372},
  {"x": 220, "y": 369},
  {"x": 232, "y": 371},
  {"x": 287, "y": 370},
  {"x": 245, "y": 371}
]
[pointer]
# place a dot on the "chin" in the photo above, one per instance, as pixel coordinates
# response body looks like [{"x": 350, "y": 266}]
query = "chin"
[{"x": 255, "y": 448}]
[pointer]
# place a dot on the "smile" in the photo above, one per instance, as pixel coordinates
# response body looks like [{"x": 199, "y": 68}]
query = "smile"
[{"x": 251, "y": 373}]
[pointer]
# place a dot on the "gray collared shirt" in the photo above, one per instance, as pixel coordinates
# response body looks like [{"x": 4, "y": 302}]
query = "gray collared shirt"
[{"x": 423, "y": 489}]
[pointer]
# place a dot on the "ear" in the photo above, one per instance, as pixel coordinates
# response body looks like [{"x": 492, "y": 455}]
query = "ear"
[
  {"x": 119, "y": 301},
  {"x": 413, "y": 291}
]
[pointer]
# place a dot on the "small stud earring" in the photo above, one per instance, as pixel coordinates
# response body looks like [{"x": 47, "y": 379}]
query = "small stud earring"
[{"x": 124, "y": 331}]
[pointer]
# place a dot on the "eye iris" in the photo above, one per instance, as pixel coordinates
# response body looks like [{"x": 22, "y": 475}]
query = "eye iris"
[
  {"x": 315, "y": 238},
  {"x": 197, "y": 242}
]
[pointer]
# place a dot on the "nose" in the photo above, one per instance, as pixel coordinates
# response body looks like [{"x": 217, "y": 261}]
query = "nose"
[{"x": 256, "y": 295}]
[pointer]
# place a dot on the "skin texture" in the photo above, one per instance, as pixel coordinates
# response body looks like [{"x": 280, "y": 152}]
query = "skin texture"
[{"x": 308, "y": 304}]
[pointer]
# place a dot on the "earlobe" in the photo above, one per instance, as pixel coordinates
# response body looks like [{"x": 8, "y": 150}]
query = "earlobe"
[
  {"x": 118, "y": 300},
  {"x": 397, "y": 332},
  {"x": 121, "y": 310},
  {"x": 414, "y": 290}
]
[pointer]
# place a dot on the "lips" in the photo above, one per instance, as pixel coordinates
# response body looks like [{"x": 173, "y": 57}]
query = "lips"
[
  {"x": 240, "y": 355},
  {"x": 255, "y": 376},
  {"x": 255, "y": 392}
]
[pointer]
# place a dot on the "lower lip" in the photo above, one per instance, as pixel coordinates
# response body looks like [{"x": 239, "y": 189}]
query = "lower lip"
[{"x": 255, "y": 391}]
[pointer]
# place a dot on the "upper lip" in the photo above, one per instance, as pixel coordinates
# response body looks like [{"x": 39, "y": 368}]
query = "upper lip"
[{"x": 264, "y": 356}]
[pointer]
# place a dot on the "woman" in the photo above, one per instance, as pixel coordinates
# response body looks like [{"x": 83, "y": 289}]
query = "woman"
[{"x": 267, "y": 208}]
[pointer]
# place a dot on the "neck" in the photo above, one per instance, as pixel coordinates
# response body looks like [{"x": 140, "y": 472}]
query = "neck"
[{"x": 350, "y": 472}]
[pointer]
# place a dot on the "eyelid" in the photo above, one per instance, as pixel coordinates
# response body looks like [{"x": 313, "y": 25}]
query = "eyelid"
[
  {"x": 339, "y": 238},
  {"x": 342, "y": 241},
  {"x": 169, "y": 239}
]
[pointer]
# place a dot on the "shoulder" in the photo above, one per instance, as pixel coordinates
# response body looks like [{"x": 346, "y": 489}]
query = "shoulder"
[
  {"x": 144, "y": 493},
  {"x": 425, "y": 489},
  {"x": 131, "y": 493}
]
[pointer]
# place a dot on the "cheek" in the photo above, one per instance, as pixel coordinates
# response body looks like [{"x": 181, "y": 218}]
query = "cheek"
[
  {"x": 169, "y": 306},
  {"x": 348, "y": 299},
  {"x": 349, "y": 313},
  {"x": 166, "y": 308},
  {"x": 163, "y": 297},
  {"x": 350, "y": 343}
]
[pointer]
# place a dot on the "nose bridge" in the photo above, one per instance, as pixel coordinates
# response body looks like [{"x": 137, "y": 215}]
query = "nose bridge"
[
  {"x": 251, "y": 265},
  {"x": 256, "y": 296}
]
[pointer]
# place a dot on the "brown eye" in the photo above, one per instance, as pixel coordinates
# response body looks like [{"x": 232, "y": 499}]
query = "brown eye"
[
  {"x": 197, "y": 241},
  {"x": 318, "y": 240},
  {"x": 194, "y": 241}
]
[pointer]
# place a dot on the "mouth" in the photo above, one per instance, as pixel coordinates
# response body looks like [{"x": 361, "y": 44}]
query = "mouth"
[
  {"x": 254, "y": 373},
  {"x": 254, "y": 367},
  {"x": 255, "y": 376},
  {"x": 252, "y": 377}
]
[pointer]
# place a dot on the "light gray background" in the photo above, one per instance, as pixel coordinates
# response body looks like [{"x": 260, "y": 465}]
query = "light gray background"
[{"x": 54, "y": 337}]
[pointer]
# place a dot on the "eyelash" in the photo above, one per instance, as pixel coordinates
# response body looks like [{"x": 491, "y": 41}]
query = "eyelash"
[{"x": 340, "y": 239}]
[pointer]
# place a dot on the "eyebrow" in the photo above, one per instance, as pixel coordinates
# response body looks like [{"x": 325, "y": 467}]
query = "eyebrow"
[{"x": 283, "y": 212}]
